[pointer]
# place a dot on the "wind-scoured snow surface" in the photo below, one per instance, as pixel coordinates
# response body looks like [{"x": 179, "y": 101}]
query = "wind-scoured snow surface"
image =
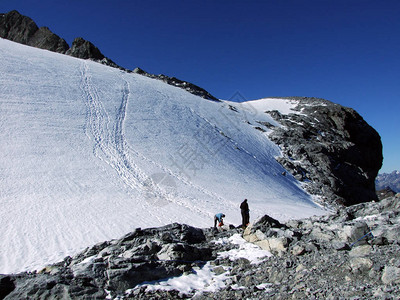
[{"x": 89, "y": 152}]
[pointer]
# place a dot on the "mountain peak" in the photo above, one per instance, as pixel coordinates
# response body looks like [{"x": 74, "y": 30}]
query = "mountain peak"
[
  {"x": 391, "y": 180},
  {"x": 22, "y": 29},
  {"x": 94, "y": 150}
]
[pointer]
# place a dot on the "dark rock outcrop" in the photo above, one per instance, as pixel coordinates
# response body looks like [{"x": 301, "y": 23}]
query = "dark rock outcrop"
[
  {"x": 330, "y": 148},
  {"x": 17, "y": 28},
  {"x": 84, "y": 49},
  {"x": 6, "y": 285},
  {"x": 45, "y": 39},
  {"x": 117, "y": 265},
  {"x": 190, "y": 87},
  {"x": 22, "y": 29}
]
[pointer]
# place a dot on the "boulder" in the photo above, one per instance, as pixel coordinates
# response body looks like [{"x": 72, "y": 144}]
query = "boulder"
[
  {"x": 274, "y": 245},
  {"x": 337, "y": 157},
  {"x": 360, "y": 251},
  {"x": 297, "y": 250},
  {"x": 392, "y": 233},
  {"x": 361, "y": 264},
  {"x": 391, "y": 275},
  {"x": 322, "y": 234},
  {"x": 352, "y": 232},
  {"x": 184, "y": 253}
]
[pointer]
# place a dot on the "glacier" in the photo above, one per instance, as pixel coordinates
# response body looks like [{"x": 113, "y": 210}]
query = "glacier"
[{"x": 90, "y": 152}]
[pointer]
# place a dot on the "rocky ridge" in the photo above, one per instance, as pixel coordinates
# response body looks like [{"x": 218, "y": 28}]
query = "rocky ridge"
[
  {"x": 385, "y": 193},
  {"x": 349, "y": 254},
  {"x": 330, "y": 148},
  {"x": 22, "y": 29},
  {"x": 388, "y": 180},
  {"x": 190, "y": 87}
]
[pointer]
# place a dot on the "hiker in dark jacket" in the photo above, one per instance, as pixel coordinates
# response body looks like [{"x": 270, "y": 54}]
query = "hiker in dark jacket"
[
  {"x": 218, "y": 218},
  {"x": 244, "y": 209}
]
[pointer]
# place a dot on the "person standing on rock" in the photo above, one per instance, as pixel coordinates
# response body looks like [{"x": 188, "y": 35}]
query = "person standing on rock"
[
  {"x": 244, "y": 209},
  {"x": 218, "y": 218}
]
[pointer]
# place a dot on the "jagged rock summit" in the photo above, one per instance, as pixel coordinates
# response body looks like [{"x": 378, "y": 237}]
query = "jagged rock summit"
[
  {"x": 338, "y": 157},
  {"x": 22, "y": 29},
  {"x": 190, "y": 87},
  {"x": 340, "y": 154},
  {"x": 330, "y": 149},
  {"x": 86, "y": 50}
]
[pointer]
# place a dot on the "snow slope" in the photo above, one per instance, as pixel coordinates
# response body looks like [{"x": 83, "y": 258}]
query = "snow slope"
[{"x": 89, "y": 153}]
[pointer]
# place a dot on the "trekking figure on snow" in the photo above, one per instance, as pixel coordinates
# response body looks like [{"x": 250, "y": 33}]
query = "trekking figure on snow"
[
  {"x": 244, "y": 209},
  {"x": 218, "y": 219}
]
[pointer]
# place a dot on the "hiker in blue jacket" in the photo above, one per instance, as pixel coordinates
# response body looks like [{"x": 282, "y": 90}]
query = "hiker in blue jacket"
[{"x": 218, "y": 218}]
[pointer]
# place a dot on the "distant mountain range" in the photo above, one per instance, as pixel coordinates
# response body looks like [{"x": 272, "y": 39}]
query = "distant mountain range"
[{"x": 391, "y": 180}]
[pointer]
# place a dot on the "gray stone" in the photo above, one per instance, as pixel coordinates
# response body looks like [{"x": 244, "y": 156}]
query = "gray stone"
[
  {"x": 339, "y": 246},
  {"x": 361, "y": 264},
  {"x": 391, "y": 275},
  {"x": 323, "y": 235},
  {"x": 392, "y": 233},
  {"x": 353, "y": 232},
  {"x": 219, "y": 270},
  {"x": 360, "y": 251},
  {"x": 298, "y": 250}
]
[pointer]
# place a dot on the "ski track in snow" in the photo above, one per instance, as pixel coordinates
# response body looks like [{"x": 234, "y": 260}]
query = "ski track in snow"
[
  {"x": 110, "y": 146},
  {"x": 185, "y": 200},
  {"x": 88, "y": 156}
]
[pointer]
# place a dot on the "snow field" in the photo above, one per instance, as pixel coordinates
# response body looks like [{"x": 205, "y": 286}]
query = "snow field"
[{"x": 90, "y": 152}]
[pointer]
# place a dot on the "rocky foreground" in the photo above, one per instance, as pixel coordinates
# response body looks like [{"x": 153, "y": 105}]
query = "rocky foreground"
[{"x": 351, "y": 254}]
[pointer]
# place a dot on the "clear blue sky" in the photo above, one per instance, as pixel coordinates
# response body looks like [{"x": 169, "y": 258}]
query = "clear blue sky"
[{"x": 346, "y": 51}]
